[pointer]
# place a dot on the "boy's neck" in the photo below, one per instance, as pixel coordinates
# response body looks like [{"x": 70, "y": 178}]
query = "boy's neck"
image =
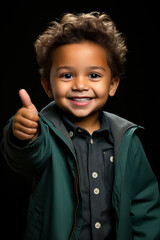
[{"x": 90, "y": 123}]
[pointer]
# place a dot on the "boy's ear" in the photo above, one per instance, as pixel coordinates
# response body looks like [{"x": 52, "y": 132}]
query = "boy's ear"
[
  {"x": 113, "y": 86},
  {"x": 47, "y": 87}
]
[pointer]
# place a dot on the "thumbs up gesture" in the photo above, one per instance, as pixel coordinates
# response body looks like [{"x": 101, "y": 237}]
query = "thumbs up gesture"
[{"x": 25, "y": 122}]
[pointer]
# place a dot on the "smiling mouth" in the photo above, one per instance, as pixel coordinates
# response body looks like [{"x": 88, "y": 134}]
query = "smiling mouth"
[{"x": 81, "y": 101}]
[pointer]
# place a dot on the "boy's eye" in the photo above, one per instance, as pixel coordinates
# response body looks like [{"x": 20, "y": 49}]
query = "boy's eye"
[
  {"x": 94, "y": 75},
  {"x": 66, "y": 75}
]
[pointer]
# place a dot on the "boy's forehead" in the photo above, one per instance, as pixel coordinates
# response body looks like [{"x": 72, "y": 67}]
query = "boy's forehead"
[{"x": 80, "y": 53}]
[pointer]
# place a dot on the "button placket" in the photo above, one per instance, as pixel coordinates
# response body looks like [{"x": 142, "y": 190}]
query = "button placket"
[{"x": 96, "y": 187}]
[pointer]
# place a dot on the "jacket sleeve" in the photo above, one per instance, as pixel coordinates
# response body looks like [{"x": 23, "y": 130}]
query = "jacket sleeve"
[
  {"x": 145, "y": 202},
  {"x": 30, "y": 159}
]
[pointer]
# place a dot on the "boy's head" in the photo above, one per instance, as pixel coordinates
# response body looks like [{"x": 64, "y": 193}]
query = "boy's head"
[
  {"x": 75, "y": 28},
  {"x": 81, "y": 60}
]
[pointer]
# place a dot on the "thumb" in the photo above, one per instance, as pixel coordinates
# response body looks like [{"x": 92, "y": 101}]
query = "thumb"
[{"x": 26, "y": 101}]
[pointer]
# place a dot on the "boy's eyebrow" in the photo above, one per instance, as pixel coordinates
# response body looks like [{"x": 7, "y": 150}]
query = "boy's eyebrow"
[
  {"x": 97, "y": 67},
  {"x": 90, "y": 67},
  {"x": 62, "y": 67}
]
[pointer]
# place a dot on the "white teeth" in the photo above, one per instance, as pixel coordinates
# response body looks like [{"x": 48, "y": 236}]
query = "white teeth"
[{"x": 81, "y": 99}]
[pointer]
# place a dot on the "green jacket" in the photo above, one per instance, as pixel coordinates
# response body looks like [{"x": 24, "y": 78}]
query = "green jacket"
[{"x": 55, "y": 210}]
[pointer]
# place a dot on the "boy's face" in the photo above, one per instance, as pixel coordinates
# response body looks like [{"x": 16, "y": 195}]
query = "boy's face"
[{"x": 80, "y": 79}]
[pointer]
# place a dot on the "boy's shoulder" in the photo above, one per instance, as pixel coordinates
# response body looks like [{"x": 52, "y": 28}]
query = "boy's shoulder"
[{"x": 118, "y": 123}]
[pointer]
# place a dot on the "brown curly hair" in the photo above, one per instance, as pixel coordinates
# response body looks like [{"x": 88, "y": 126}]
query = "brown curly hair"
[{"x": 75, "y": 28}]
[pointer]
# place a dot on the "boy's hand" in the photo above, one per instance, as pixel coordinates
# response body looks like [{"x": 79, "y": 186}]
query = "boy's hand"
[{"x": 25, "y": 123}]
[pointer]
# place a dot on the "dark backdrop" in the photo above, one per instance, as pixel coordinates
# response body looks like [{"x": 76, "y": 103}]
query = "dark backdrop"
[{"x": 137, "y": 98}]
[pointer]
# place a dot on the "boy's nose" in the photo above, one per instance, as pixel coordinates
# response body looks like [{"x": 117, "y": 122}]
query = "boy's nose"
[{"x": 80, "y": 84}]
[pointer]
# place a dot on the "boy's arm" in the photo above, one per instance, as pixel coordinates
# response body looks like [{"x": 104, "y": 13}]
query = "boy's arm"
[
  {"x": 28, "y": 159},
  {"x": 145, "y": 205}
]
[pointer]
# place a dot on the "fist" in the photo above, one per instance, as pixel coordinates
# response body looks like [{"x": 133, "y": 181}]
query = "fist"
[{"x": 25, "y": 122}]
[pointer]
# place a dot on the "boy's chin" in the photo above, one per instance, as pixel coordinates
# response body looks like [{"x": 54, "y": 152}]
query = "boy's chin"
[
  {"x": 79, "y": 115},
  {"x": 76, "y": 116}
]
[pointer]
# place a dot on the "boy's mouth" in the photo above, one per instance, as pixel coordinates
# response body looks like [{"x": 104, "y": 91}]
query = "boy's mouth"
[{"x": 80, "y": 101}]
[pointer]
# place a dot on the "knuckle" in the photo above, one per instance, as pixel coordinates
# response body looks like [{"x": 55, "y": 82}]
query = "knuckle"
[{"x": 20, "y": 111}]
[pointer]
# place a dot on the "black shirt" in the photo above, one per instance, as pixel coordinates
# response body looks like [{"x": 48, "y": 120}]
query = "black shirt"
[{"x": 95, "y": 167}]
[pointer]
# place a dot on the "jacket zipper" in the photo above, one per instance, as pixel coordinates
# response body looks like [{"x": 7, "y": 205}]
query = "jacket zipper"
[{"x": 77, "y": 205}]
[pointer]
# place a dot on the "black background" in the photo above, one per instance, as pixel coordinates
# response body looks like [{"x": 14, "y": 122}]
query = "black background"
[{"x": 137, "y": 98}]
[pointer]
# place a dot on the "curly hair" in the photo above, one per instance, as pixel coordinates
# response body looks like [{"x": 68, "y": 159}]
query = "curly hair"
[{"x": 75, "y": 28}]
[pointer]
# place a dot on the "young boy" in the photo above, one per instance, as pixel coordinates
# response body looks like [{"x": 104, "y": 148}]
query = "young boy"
[{"x": 91, "y": 177}]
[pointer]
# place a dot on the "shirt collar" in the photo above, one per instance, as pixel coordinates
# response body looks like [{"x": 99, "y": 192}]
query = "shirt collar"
[{"x": 104, "y": 121}]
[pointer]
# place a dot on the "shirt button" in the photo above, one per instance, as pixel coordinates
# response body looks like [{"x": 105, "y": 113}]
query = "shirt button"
[
  {"x": 96, "y": 191},
  {"x": 97, "y": 225},
  {"x": 71, "y": 134},
  {"x": 112, "y": 159},
  {"x": 91, "y": 141},
  {"x": 94, "y": 174},
  {"x": 79, "y": 130}
]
